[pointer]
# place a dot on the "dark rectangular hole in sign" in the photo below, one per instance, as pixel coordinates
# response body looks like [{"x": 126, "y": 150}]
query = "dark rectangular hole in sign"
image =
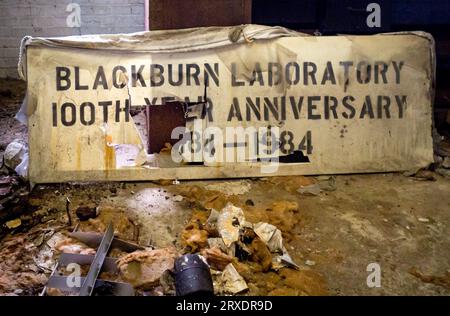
[
  {"x": 161, "y": 120},
  {"x": 295, "y": 157}
]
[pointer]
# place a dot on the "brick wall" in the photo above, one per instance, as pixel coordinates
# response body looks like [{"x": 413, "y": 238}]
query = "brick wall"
[{"x": 48, "y": 18}]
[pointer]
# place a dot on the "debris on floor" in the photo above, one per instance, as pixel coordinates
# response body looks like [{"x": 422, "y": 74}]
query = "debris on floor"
[
  {"x": 443, "y": 281},
  {"x": 237, "y": 187},
  {"x": 85, "y": 212},
  {"x": 323, "y": 183},
  {"x": 144, "y": 268},
  {"x": 230, "y": 281},
  {"x": 241, "y": 242},
  {"x": 247, "y": 246}
]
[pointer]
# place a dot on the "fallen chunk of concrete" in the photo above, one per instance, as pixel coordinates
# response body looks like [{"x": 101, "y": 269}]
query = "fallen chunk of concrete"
[
  {"x": 216, "y": 258},
  {"x": 143, "y": 269}
]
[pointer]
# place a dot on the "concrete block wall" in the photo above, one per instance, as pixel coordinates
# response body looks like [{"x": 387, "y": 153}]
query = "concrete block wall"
[{"x": 48, "y": 18}]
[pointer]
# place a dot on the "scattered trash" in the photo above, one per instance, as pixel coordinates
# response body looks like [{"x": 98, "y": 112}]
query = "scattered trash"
[
  {"x": 144, "y": 268},
  {"x": 231, "y": 281},
  {"x": 229, "y": 222},
  {"x": 218, "y": 242},
  {"x": 259, "y": 251},
  {"x": 261, "y": 243},
  {"x": 14, "y": 153},
  {"x": 270, "y": 235},
  {"x": 310, "y": 263},
  {"x": 423, "y": 219},
  {"x": 192, "y": 276},
  {"x": 85, "y": 212},
  {"x": 285, "y": 260}
]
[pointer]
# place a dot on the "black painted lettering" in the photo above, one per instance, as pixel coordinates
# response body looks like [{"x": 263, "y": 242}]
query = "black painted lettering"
[
  {"x": 156, "y": 75},
  {"x": 79, "y": 86},
  {"x": 257, "y": 75},
  {"x": 60, "y": 78},
  {"x": 137, "y": 76},
  {"x": 397, "y": 67},
  {"x": 253, "y": 107},
  {"x": 235, "y": 111},
  {"x": 328, "y": 74},
  {"x": 367, "y": 108},
  {"x": 116, "y": 77},
  {"x": 312, "y": 107},
  {"x": 292, "y": 75},
  {"x": 272, "y": 107},
  {"x": 83, "y": 114},
  {"x": 380, "y": 68},
  {"x": 346, "y": 102},
  {"x": 100, "y": 79},
  {"x": 234, "y": 81},
  {"x": 210, "y": 73},
  {"x": 296, "y": 106},
  {"x": 105, "y": 105},
  {"x": 363, "y": 72},
  {"x": 171, "y": 71},
  {"x": 274, "y": 74},
  {"x": 401, "y": 103},
  {"x": 330, "y": 105},
  {"x": 64, "y": 114},
  {"x": 54, "y": 114},
  {"x": 192, "y": 72},
  {"x": 127, "y": 110},
  {"x": 383, "y": 103},
  {"x": 311, "y": 73}
]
